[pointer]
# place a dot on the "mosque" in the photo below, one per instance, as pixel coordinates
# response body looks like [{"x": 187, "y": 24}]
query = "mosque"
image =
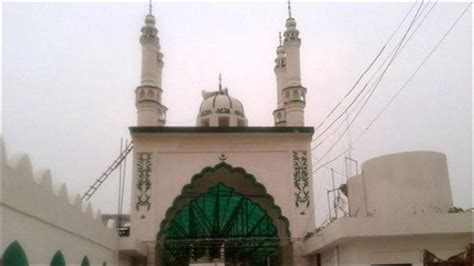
[{"x": 225, "y": 193}]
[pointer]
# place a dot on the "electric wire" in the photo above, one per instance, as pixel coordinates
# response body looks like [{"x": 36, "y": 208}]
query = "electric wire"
[
  {"x": 365, "y": 86},
  {"x": 376, "y": 84},
  {"x": 419, "y": 67},
  {"x": 316, "y": 201},
  {"x": 401, "y": 44},
  {"x": 401, "y": 88},
  {"x": 366, "y": 70},
  {"x": 421, "y": 22},
  {"x": 375, "y": 73},
  {"x": 394, "y": 55}
]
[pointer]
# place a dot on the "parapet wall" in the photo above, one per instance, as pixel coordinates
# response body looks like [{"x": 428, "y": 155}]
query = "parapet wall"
[
  {"x": 408, "y": 183},
  {"x": 43, "y": 218}
]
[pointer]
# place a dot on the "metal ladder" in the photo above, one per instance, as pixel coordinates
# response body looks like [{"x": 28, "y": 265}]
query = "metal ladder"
[{"x": 92, "y": 189}]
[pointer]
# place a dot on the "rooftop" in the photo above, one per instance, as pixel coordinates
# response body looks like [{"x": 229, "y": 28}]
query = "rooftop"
[{"x": 309, "y": 130}]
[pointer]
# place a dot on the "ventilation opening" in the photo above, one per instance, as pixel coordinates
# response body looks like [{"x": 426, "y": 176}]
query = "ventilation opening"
[{"x": 224, "y": 121}]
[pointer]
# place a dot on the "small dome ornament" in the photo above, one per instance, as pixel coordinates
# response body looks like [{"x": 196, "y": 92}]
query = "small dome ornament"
[
  {"x": 219, "y": 109},
  {"x": 290, "y": 23},
  {"x": 150, "y": 20}
]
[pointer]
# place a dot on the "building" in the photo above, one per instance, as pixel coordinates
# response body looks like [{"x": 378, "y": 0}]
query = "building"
[
  {"x": 228, "y": 194},
  {"x": 221, "y": 190}
]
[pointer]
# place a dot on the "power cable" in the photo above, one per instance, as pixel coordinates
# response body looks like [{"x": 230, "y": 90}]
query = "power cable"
[
  {"x": 376, "y": 83},
  {"x": 360, "y": 92},
  {"x": 366, "y": 70},
  {"x": 376, "y": 71},
  {"x": 421, "y": 22},
  {"x": 370, "y": 80},
  {"x": 401, "y": 88},
  {"x": 419, "y": 67}
]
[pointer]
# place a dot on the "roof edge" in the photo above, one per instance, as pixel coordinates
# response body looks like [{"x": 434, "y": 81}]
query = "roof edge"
[{"x": 304, "y": 130}]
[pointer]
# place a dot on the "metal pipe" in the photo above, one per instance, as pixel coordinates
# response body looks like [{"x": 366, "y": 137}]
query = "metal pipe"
[
  {"x": 354, "y": 161},
  {"x": 329, "y": 207},
  {"x": 334, "y": 196}
]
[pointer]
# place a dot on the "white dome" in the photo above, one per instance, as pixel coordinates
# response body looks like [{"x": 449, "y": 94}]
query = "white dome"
[{"x": 220, "y": 109}]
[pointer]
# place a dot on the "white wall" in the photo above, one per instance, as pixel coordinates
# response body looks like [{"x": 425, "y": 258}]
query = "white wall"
[
  {"x": 43, "y": 219},
  {"x": 398, "y": 207},
  {"x": 406, "y": 183},
  {"x": 177, "y": 157},
  {"x": 394, "y": 250}
]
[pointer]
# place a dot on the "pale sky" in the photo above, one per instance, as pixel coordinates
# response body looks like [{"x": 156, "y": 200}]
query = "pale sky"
[{"x": 70, "y": 71}]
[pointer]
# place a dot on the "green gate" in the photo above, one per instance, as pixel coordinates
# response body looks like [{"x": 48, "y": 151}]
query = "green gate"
[{"x": 221, "y": 225}]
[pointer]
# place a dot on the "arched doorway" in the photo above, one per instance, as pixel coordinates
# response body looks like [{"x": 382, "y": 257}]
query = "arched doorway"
[{"x": 224, "y": 215}]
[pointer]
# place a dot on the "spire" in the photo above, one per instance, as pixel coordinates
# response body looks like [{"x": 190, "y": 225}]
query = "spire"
[
  {"x": 150, "y": 7},
  {"x": 220, "y": 82},
  {"x": 280, "y": 51},
  {"x": 289, "y": 8}
]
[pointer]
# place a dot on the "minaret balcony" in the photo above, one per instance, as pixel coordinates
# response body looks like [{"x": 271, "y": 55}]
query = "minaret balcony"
[
  {"x": 279, "y": 116},
  {"x": 294, "y": 94},
  {"x": 148, "y": 93}
]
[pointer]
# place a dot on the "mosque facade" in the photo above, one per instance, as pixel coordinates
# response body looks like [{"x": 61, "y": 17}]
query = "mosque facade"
[
  {"x": 221, "y": 191},
  {"x": 225, "y": 193}
]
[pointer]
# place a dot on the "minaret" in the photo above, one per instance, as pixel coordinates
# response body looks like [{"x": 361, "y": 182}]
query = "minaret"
[
  {"x": 150, "y": 111},
  {"x": 293, "y": 93},
  {"x": 280, "y": 73}
]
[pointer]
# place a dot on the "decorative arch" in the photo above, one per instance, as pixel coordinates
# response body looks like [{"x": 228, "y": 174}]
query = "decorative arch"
[
  {"x": 85, "y": 261},
  {"x": 58, "y": 259},
  {"x": 150, "y": 94},
  {"x": 241, "y": 182},
  {"x": 14, "y": 255}
]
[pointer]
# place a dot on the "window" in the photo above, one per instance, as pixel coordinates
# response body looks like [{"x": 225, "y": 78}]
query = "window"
[
  {"x": 150, "y": 95},
  {"x": 205, "y": 122},
  {"x": 240, "y": 123},
  {"x": 224, "y": 121}
]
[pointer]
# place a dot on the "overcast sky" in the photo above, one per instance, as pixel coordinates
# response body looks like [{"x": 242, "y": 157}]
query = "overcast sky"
[{"x": 70, "y": 71}]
